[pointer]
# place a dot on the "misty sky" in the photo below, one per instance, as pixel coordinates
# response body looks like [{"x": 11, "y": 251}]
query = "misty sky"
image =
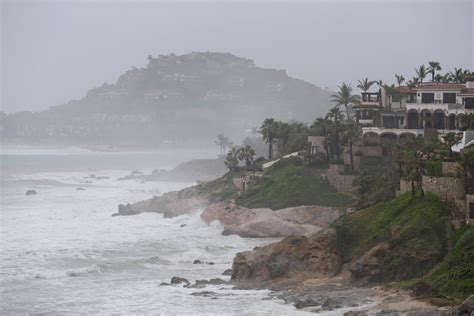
[{"x": 55, "y": 51}]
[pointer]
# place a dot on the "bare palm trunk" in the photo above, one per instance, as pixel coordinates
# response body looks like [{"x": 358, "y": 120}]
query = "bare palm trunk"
[
  {"x": 270, "y": 149},
  {"x": 352, "y": 156}
]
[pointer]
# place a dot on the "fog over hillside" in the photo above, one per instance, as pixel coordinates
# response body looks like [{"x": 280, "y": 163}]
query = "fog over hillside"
[{"x": 171, "y": 98}]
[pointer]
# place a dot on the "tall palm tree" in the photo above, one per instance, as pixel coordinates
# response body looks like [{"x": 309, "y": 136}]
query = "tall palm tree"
[
  {"x": 335, "y": 116},
  {"x": 269, "y": 130},
  {"x": 352, "y": 133},
  {"x": 223, "y": 142},
  {"x": 413, "y": 82},
  {"x": 400, "y": 79},
  {"x": 344, "y": 97},
  {"x": 434, "y": 66},
  {"x": 365, "y": 84},
  {"x": 421, "y": 73}
]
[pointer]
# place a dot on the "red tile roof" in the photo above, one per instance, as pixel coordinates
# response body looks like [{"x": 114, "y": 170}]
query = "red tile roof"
[
  {"x": 440, "y": 86},
  {"x": 467, "y": 92},
  {"x": 405, "y": 89}
]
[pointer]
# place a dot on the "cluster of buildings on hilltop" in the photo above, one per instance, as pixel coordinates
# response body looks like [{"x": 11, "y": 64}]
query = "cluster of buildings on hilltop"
[{"x": 407, "y": 112}]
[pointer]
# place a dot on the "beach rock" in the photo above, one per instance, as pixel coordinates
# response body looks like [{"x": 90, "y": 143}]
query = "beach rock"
[
  {"x": 368, "y": 268},
  {"x": 197, "y": 262},
  {"x": 164, "y": 284},
  {"x": 293, "y": 257},
  {"x": 466, "y": 308},
  {"x": 31, "y": 192},
  {"x": 204, "y": 283},
  {"x": 178, "y": 280},
  {"x": 204, "y": 293},
  {"x": 182, "y": 225},
  {"x": 306, "y": 302},
  {"x": 227, "y": 272},
  {"x": 169, "y": 204}
]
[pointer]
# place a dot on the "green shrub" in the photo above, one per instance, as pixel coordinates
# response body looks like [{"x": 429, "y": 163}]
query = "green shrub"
[{"x": 434, "y": 168}]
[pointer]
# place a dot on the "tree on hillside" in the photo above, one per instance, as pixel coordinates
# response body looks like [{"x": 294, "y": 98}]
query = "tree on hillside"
[
  {"x": 434, "y": 66},
  {"x": 344, "y": 97},
  {"x": 335, "y": 116},
  {"x": 268, "y": 131},
  {"x": 421, "y": 73},
  {"x": 467, "y": 167},
  {"x": 232, "y": 160},
  {"x": 223, "y": 142},
  {"x": 246, "y": 154},
  {"x": 352, "y": 134},
  {"x": 450, "y": 140},
  {"x": 412, "y": 160},
  {"x": 365, "y": 84}
]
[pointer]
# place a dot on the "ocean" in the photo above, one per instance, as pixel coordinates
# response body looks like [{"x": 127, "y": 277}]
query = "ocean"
[{"x": 61, "y": 251}]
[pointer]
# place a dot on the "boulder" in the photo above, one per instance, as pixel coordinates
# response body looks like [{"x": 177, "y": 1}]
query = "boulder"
[
  {"x": 178, "y": 280},
  {"x": 466, "y": 308},
  {"x": 368, "y": 268},
  {"x": 264, "y": 222},
  {"x": 31, "y": 192},
  {"x": 202, "y": 283},
  {"x": 293, "y": 257},
  {"x": 227, "y": 272},
  {"x": 197, "y": 262}
]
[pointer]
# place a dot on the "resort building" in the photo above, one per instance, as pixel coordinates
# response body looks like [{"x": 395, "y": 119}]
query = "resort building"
[{"x": 408, "y": 112}]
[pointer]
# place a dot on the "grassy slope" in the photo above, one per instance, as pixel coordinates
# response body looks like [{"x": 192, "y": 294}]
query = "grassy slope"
[
  {"x": 413, "y": 227},
  {"x": 287, "y": 184},
  {"x": 455, "y": 275}
]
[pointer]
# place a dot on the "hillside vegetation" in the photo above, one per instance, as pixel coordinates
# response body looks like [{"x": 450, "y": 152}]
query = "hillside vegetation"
[
  {"x": 411, "y": 242},
  {"x": 289, "y": 183}
]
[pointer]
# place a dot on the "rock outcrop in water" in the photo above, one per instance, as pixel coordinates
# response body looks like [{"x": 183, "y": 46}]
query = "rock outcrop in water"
[
  {"x": 169, "y": 204},
  {"x": 264, "y": 222},
  {"x": 310, "y": 256},
  {"x": 31, "y": 192}
]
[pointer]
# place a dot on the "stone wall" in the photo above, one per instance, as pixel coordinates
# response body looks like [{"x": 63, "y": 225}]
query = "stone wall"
[
  {"x": 342, "y": 183},
  {"x": 450, "y": 169},
  {"x": 405, "y": 186},
  {"x": 447, "y": 188}
]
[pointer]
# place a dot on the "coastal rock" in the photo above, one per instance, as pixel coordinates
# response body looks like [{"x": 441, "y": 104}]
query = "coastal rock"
[
  {"x": 31, "y": 192},
  {"x": 466, "y": 308},
  {"x": 203, "y": 283},
  {"x": 227, "y": 272},
  {"x": 197, "y": 262},
  {"x": 368, "y": 268},
  {"x": 264, "y": 222},
  {"x": 178, "y": 280},
  {"x": 170, "y": 204},
  {"x": 292, "y": 257}
]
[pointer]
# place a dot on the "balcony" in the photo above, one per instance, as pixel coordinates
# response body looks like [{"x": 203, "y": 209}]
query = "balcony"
[{"x": 445, "y": 107}]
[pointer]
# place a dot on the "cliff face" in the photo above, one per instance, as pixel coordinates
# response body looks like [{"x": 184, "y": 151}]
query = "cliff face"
[{"x": 197, "y": 94}]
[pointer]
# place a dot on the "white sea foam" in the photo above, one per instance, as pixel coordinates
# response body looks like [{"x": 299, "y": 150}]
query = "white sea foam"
[{"x": 61, "y": 251}]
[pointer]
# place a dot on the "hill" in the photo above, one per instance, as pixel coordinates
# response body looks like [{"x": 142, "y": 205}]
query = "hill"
[{"x": 184, "y": 99}]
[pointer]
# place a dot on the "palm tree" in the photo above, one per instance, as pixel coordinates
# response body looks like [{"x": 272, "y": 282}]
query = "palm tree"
[
  {"x": 450, "y": 140},
  {"x": 246, "y": 153},
  {"x": 413, "y": 82},
  {"x": 458, "y": 75},
  {"x": 352, "y": 133},
  {"x": 400, "y": 79},
  {"x": 269, "y": 130},
  {"x": 232, "y": 160},
  {"x": 344, "y": 97},
  {"x": 412, "y": 159},
  {"x": 223, "y": 142},
  {"x": 434, "y": 66},
  {"x": 365, "y": 84},
  {"x": 421, "y": 73},
  {"x": 335, "y": 116}
]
